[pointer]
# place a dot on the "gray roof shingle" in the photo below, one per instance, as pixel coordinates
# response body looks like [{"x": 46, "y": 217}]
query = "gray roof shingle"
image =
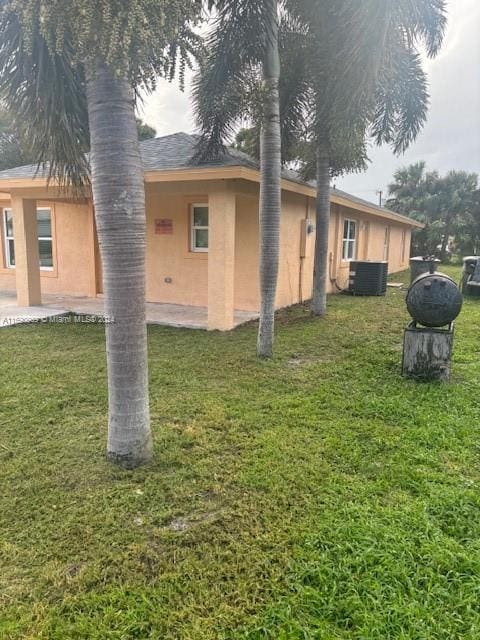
[{"x": 176, "y": 152}]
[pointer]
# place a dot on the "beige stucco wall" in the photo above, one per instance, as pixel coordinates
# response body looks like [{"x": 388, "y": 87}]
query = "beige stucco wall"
[
  {"x": 73, "y": 252},
  {"x": 169, "y": 256},
  {"x": 370, "y": 242},
  {"x": 247, "y": 292},
  {"x": 177, "y": 275},
  {"x": 295, "y": 272}
]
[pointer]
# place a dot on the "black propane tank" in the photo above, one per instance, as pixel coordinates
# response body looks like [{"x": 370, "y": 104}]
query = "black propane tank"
[{"x": 434, "y": 300}]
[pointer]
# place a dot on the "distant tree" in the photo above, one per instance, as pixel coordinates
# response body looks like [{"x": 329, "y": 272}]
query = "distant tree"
[
  {"x": 413, "y": 194},
  {"x": 458, "y": 202},
  {"x": 448, "y": 206},
  {"x": 13, "y": 151},
  {"x": 248, "y": 141},
  {"x": 144, "y": 130},
  {"x": 467, "y": 229}
]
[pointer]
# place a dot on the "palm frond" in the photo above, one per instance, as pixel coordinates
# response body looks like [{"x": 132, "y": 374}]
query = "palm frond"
[
  {"x": 45, "y": 91},
  {"x": 227, "y": 87},
  {"x": 401, "y": 100},
  {"x": 294, "y": 90},
  {"x": 424, "y": 21}
]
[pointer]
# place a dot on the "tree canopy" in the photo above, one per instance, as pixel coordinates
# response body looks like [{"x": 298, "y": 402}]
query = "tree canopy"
[
  {"x": 48, "y": 46},
  {"x": 15, "y": 152},
  {"x": 145, "y": 131},
  {"x": 448, "y": 205}
]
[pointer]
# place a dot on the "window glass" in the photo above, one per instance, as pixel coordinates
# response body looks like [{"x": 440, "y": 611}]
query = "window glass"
[
  {"x": 45, "y": 251},
  {"x": 10, "y": 253},
  {"x": 8, "y": 237},
  {"x": 349, "y": 248},
  {"x": 44, "y": 232},
  {"x": 386, "y": 243},
  {"x": 404, "y": 242},
  {"x": 200, "y": 215},
  {"x": 8, "y": 223},
  {"x": 44, "y": 223},
  {"x": 199, "y": 232}
]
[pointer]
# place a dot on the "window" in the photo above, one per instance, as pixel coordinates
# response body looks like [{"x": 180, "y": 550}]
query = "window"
[
  {"x": 404, "y": 244},
  {"x": 45, "y": 247},
  {"x": 44, "y": 231},
  {"x": 349, "y": 251},
  {"x": 9, "y": 241},
  {"x": 386, "y": 244},
  {"x": 199, "y": 223}
]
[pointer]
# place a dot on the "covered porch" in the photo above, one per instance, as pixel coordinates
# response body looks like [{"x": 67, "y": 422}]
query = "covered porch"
[{"x": 211, "y": 276}]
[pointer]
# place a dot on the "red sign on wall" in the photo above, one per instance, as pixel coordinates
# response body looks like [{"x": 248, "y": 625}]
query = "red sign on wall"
[{"x": 163, "y": 226}]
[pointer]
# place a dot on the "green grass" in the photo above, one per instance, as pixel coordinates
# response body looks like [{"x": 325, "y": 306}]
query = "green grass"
[{"x": 315, "y": 496}]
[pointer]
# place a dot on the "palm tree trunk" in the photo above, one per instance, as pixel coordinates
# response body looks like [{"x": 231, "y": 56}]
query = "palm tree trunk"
[
  {"x": 319, "y": 301},
  {"x": 119, "y": 199},
  {"x": 270, "y": 189}
]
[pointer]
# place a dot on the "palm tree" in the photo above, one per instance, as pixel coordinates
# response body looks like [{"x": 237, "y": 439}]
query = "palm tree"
[
  {"x": 413, "y": 193},
  {"x": 445, "y": 204},
  {"x": 144, "y": 130},
  {"x": 70, "y": 72},
  {"x": 14, "y": 151},
  {"x": 364, "y": 75},
  {"x": 244, "y": 43},
  {"x": 456, "y": 199}
]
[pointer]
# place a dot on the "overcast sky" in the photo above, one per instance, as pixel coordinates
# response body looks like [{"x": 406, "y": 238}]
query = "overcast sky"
[{"x": 451, "y": 137}]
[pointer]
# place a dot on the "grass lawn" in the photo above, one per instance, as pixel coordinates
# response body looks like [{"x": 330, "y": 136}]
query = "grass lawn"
[{"x": 316, "y": 496}]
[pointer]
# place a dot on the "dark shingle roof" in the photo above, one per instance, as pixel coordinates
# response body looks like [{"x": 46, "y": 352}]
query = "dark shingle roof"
[
  {"x": 176, "y": 151},
  {"x": 158, "y": 154},
  {"x": 28, "y": 171}
]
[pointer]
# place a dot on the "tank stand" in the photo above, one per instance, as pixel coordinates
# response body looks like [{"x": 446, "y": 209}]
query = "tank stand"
[{"x": 427, "y": 352}]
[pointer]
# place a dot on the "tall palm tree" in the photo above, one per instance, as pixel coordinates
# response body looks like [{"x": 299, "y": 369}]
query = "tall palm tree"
[
  {"x": 364, "y": 75},
  {"x": 458, "y": 197},
  {"x": 270, "y": 185},
  {"x": 413, "y": 193},
  {"x": 445, "y": 204},
  {"x": 69, "y": 71},
  {"x": 244, "y": 45}
]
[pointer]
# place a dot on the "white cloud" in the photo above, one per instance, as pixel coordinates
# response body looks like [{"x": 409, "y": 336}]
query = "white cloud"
[{"x": 168, "y": 109}]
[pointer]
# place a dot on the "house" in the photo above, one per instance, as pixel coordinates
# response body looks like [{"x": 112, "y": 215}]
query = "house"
[{"x": 202, "y": 234}]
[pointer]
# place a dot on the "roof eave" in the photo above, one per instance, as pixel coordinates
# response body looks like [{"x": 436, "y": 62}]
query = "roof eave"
[{"x": 231, "y": 172}]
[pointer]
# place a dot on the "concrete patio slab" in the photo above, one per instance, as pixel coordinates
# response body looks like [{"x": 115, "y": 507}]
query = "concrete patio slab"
[
  {"x": 172, "y": 315},
  {"x": 13, "y": 315}
]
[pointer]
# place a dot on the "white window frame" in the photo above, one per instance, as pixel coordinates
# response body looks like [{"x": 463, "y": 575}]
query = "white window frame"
[
  {"x": 6, "y": 237},
  {"x": 386, "y": 244},
  {"x": 348, "y": 240},
  {"x": 194, "y": 227},
  {"x": 404, "y": 244}
]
